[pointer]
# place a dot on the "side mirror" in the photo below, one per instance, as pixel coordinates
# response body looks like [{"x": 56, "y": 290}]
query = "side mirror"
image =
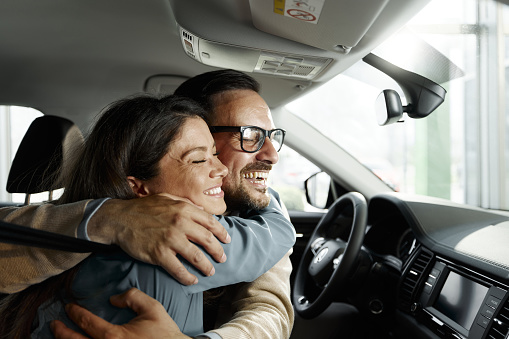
[{"x": 317, "y": 189}]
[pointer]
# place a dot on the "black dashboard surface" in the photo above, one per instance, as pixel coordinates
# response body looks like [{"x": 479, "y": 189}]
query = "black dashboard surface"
[{"x": 455, "y": 265}]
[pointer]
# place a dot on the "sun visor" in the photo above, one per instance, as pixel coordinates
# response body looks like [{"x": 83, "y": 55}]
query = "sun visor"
[
  {"x": 251, "y": 60},
  {"x": 333, "y": 25}
]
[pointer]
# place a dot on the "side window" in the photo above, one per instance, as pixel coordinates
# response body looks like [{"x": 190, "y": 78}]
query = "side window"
[
  {"x": 14, "y": 122},
  {"x": 288, "y": 177}
]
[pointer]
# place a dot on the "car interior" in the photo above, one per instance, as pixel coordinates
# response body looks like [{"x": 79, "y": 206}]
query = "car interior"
[{"x": 395, "y": 167}]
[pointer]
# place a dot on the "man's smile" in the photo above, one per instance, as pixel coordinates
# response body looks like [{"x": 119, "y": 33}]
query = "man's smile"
[{"x": 256, "y": 177}]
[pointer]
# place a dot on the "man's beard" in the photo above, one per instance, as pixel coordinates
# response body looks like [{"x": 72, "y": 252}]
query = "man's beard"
[{"x": 240, "y": 197}]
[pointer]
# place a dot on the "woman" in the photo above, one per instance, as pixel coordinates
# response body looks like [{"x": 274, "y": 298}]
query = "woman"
[{"x": 142, "y": 146}]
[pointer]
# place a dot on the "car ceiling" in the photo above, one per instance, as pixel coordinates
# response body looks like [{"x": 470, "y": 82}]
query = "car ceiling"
[{"x": 71, "y": 58}]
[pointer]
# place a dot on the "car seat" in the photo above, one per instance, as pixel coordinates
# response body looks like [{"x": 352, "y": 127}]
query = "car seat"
[{"x": 42, "y": 155}]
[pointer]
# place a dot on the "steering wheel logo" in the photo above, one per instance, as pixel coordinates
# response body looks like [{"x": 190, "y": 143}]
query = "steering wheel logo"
[{"x": 319, "y": 257}]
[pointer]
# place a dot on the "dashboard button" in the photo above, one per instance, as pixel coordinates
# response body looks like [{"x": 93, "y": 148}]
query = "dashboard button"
[
  {"x": 483, "y": 321},
  {"x": 492, "y": 301},
  {"x": 427, "y": 287},
  {"x": 488, "y": 311}
]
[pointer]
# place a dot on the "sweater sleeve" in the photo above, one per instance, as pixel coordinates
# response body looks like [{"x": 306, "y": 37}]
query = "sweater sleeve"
[
  {"x": 261, "y": 309},
  {"x": 22, "y": 266},
  {"x": 258, "y": 242}
]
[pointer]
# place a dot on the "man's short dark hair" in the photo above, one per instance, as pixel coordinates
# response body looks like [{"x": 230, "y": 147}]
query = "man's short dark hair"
[{"x": 203, "y": 87}]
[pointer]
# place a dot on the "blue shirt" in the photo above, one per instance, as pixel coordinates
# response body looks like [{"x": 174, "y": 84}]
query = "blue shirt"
[{"x": 257, "y": 244}]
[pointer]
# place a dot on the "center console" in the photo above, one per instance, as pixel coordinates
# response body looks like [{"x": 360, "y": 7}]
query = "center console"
[{"x": 455, "y": 303}]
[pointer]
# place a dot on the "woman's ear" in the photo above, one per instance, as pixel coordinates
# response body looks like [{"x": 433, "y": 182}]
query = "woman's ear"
[{"x": 138, "y": 187}]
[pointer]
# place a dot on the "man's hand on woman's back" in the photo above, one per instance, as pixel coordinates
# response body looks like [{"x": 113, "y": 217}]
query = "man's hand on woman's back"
[{"x": 152, "y": 321}]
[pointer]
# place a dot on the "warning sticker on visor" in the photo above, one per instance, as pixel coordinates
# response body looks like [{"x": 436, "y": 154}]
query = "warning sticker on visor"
[{"x": 303, "y": 10}]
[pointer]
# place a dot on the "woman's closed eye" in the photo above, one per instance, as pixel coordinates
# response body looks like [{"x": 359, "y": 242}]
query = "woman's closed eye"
[{"x": 204, "y": 160}]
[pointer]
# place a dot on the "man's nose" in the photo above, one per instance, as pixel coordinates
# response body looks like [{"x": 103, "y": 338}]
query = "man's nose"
[{"x": 267, "y": 153}]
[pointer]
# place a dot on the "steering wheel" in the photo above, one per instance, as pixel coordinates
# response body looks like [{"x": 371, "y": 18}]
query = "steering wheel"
[{"x": 328, "y": 261}]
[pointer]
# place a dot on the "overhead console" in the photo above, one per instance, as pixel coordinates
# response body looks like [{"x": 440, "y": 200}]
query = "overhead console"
[
  {"x": 252, "y": 60},
  {"x": 452, "y": 301},
  {"x": 298, "y": 39}
]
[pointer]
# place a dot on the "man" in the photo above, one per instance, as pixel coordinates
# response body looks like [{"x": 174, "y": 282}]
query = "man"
[
  {"x": 231, "y": 98},
  {"x": 261, "y": 309}
]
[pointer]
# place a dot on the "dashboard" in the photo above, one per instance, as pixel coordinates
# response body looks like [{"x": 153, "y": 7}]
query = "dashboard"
[{"x": 454, "y": 279}]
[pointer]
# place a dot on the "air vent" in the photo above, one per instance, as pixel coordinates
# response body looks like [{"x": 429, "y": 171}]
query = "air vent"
[
  {"x": 303, "y": 70},
  {"x": 500, "y": 325},
  {"x": 187, "y": 35},
  {"x": 286, "y": 68},
  {"x": 412, "y": 277}
]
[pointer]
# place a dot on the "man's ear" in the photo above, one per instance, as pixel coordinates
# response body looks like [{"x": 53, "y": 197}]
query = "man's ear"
[{"x": 138, "y": 187}]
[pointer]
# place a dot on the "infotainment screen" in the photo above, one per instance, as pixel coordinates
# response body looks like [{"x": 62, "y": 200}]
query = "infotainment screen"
[{"x": 460, "y": 299}]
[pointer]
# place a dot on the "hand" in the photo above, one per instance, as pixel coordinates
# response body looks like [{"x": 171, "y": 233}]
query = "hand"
[
  {"x": 152, "y": 320},
  {"x": 156, "y": 228}
]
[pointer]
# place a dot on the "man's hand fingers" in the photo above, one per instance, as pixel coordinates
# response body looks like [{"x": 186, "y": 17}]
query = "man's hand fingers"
[
  {"x": 208, "y": 241},
  {"x": 175, "y": 268},
  {"x": 136, "y": 300},
  {"x": 60, "y": 331},
  {"x": 131, "y": 297},
  {"x": 210, "y": 223},
  {"x": 152, "y": 321},
  {"x": 95, "y": 326}
]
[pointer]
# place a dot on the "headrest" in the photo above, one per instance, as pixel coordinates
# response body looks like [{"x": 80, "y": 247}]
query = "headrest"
[{"x": 44, "y": 150}]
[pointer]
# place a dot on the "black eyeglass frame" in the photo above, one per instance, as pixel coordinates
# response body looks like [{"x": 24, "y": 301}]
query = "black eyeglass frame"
[{"x": 267, "y": 134}]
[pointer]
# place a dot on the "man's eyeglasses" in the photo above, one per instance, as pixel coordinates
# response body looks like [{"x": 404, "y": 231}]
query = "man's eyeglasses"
[{"x": 252, "y": 138}]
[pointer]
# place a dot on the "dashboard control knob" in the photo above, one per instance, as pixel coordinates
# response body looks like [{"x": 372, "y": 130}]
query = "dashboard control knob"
[
  {"x": 415, "y": 307},
  {"x": 302, "y": 300},
  {"x": 376, "y": 306}
]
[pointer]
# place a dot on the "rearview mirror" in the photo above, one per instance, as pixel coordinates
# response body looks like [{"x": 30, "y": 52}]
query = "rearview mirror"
[
  {"x": 317, "y": 189},
  {"x": 423, "y": 95},
  {"x": 388, "y": 107}
]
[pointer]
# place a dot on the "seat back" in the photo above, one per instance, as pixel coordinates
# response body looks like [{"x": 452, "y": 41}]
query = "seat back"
[{"x": 44, "y": 151}]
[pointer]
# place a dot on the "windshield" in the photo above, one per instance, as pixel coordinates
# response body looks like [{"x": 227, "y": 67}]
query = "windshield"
[{"x": 460, "y": 151}]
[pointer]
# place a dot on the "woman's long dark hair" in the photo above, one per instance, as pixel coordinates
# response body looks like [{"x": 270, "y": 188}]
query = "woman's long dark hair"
[{"x": 129, "y": 139}]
